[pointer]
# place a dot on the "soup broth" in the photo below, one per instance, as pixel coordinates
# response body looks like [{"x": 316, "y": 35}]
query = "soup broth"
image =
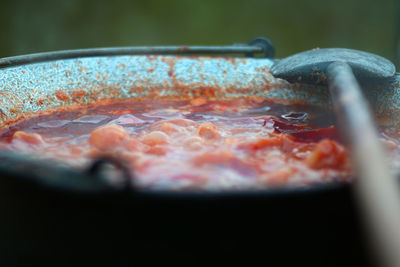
[{"x": 195, "y": 144}]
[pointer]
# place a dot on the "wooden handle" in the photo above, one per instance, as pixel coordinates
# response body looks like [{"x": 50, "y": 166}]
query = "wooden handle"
[{"x": 376, "y": 188}]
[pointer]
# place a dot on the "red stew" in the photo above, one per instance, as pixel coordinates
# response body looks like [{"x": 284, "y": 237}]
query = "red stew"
[{"x": 194, "y": 144}]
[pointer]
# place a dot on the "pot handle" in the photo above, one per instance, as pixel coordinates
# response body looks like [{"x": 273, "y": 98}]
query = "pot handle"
[
  {"x": 127, "y": 176},
  {"x": 58, "y": 175}
]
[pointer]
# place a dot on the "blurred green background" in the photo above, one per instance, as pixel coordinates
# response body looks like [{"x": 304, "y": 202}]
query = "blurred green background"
[{"x": 28, "y": 26}]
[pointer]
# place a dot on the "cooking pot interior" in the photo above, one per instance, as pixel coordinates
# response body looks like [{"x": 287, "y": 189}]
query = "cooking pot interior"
[{"x": 33, "y": 88}]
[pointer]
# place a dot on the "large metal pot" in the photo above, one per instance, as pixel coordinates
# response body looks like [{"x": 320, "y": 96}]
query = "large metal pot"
[{"x": 56, "y": 216}]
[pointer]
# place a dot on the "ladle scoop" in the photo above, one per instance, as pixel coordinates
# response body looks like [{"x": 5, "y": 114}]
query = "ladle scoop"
[
  {"x": 376, "y": 188},
  {"x": 311, "y": 66}
]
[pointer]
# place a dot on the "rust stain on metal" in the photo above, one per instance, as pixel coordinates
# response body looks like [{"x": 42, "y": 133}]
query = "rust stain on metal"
[
  {"x": 82, "y": 69},
  {"x": 14, "y": 111},
  {"x": 61, "y": 95},
  {"x": 230, "y": 90},
  {"x": 171, "y": 71},
  {"x": 77, "y": 95},
  {"x": 3, "y": 115},
  {"x": 151, "y": 58},
  {"x": 231, "y": 59}
]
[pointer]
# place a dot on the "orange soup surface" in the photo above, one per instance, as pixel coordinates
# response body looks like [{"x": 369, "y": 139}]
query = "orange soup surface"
[{"x": 195, "y": 144}]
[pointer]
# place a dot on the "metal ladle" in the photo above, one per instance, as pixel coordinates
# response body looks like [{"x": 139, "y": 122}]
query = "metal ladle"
[{"x": 376, "y": 188}]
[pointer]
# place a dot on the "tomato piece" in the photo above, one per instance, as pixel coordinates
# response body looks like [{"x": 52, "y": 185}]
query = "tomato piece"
[
  {"x": 155, "y": 138},
  {"x": 168, "y": 128},
  {"x": 327, "y": 154},
  {"x": 108, "y": 137},
  {"x": 267, "y": 142},
  {"x": 198, "y": 101},
  {"x": 271, "y": 141},
  {"x": 214, "y": 157},
  {"x": 278, "y": 177},
  {"x": 193, "y": 143},
  {"x": 208, "y": 131},
  {"x": 132, "y": 144},
  {"x": 30, "y": 138},
  {"x": 157, "y": 150}
]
